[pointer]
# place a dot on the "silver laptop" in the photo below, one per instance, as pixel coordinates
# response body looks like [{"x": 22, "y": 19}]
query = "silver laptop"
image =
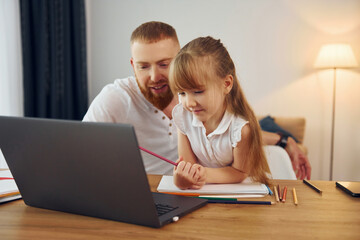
[{"x": 92, "y": 169}]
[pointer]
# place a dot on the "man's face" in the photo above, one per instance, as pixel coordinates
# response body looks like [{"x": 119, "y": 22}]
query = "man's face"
[{"x": 150, "y": 62}]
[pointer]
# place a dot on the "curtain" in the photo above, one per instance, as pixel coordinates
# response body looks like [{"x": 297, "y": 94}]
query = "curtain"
[{"x": 54, "y": 58}]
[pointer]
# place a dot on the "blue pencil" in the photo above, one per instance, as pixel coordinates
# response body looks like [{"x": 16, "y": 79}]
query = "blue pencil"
[
  {"x": 241, "y": 202},
  {"x": 270, "y": 192}
]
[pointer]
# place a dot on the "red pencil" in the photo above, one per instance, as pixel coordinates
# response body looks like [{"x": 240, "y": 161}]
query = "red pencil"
[
  {"x": 284, "y": 194},
  {"x": 158, "y": 156},
  {"x": 6, "y": 178}
]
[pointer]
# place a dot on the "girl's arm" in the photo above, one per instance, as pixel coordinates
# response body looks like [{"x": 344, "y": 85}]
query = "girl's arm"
[
  {"x": 185, "y": 150},
  {"x": 239, "y": 169}
]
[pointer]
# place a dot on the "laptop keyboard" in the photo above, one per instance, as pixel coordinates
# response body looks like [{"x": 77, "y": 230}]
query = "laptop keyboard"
[{"x": 162, "y": 209}]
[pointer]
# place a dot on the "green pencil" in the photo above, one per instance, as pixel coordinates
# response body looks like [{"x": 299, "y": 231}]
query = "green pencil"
[{"x": 217, "y": 198}]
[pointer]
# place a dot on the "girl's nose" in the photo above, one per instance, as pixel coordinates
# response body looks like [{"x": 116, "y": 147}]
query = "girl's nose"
[{"x": 190, "y": 101}]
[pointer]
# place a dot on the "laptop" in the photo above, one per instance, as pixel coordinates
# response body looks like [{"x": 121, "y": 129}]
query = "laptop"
[{"x": 92, "y": 169}]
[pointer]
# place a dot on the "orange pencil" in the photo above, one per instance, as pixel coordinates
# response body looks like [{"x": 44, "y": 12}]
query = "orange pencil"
[
  {"x": 183, "y": 194},
  {"x": 295, "y": 197},
  {"x": 284, "y": 194},
  {"x": 9, "y": 194},
  {"x": 276, "y": 194}
]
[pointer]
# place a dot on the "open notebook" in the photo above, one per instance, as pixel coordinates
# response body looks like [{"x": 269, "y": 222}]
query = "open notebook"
[
  {"x": 8, "y": 188},
  {"x": 244, "y": 189}
]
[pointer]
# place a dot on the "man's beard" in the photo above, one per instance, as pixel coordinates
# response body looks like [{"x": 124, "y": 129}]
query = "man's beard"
[{"x": 160, "y": 101}]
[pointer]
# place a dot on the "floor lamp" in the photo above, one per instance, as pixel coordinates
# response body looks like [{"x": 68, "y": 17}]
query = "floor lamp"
[{"x": 335, "y": 56}]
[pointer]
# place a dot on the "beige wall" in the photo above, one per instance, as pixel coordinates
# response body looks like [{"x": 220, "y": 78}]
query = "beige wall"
[{"x": 274, "y": 44}]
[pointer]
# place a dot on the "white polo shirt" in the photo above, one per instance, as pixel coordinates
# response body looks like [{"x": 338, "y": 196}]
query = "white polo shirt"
[
  {"x": 123, "y": 102},
  {"x": 215, "y": 149}
]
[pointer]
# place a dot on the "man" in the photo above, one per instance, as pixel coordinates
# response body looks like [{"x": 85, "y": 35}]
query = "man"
[{"x": 146, "y": 101}]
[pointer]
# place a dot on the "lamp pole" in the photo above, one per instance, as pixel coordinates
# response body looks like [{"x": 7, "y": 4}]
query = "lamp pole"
[
  {"x": 333, "y": 127},
  {"x": 333, "y": 56}
]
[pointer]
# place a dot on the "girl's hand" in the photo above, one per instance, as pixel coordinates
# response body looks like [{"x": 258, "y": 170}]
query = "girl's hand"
[
  {"x": 200, "y": 176},
  {"x": 187, "y": 175}
]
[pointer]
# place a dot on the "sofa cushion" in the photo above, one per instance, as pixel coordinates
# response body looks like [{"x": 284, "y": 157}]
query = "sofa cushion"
[{"x": 268, "y": 124}]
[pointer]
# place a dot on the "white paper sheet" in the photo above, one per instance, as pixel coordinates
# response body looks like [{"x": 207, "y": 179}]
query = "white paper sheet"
[{"x": 167, "y": 185}]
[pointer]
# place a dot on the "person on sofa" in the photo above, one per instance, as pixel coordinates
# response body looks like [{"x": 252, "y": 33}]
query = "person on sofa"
[{"x": 146, "y": 102}]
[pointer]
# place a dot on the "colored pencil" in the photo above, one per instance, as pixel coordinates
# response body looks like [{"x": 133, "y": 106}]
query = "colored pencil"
[
  {"x": 295, "y": 197},
  {"x": 276, "y": 194},
  {"x": 279, "y": 192},
  {"x": 158, "y": 156},
  {"x": 270, "y": 192},
  {"x": 284, "y": 194},
  {"x": 183, "y": 194},
  {"x": 6, "y": 178},
  {"x": 218, "y": 198},
  {"x": 242, "y": 202},
  {"x": 9, "y": 194},
  {"x": 312, "y": 186}
]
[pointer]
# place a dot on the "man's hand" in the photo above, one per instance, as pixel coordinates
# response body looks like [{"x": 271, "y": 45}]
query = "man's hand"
[{"x": 299, "y": 160}]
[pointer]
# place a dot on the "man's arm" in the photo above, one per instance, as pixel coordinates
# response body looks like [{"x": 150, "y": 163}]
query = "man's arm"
[{"x": 299, "y": 160}]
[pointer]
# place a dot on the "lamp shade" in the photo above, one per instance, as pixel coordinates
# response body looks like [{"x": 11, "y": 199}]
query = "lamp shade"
[{"x": 336, "y": 56}]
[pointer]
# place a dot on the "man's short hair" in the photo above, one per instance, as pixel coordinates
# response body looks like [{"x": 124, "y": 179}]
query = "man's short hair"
[{"x": 153, "y": 31}]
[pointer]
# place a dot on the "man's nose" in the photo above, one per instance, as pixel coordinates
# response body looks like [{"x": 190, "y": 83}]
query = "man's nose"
[{"x": 155, "y": 75}]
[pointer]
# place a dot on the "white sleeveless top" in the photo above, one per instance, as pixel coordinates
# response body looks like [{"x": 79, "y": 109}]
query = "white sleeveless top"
[{"x": 215, "y": 149}]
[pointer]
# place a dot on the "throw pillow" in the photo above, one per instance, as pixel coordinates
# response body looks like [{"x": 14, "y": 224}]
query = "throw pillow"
[{"x": 268, "y": 124}]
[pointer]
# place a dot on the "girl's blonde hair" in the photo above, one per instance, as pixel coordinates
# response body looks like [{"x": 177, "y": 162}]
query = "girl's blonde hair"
[{"x": 190, "y": 70}]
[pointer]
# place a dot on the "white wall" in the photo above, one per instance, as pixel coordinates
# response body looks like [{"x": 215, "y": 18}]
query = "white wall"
[
  {"x": 11, "y": 90},
  {"x": 273, "y": 43}
]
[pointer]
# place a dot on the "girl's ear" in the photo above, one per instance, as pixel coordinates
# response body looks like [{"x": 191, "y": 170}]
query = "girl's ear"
[{"x": 228, "y": 83}]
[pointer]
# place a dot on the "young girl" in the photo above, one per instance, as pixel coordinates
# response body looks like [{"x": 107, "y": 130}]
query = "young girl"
[{"x": 219, "y": 136}]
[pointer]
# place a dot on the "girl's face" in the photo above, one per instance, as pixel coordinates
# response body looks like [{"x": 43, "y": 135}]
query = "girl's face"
[{"x": 207, "y": 104}]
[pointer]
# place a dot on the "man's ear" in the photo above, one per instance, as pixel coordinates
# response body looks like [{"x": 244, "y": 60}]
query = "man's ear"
[
  {"x": 132, "y": 63},
  {"x": 228, "y": 83}
]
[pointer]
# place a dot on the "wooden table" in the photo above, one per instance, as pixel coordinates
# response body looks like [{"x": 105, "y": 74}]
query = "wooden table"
[{"x": 332, "y": 215}]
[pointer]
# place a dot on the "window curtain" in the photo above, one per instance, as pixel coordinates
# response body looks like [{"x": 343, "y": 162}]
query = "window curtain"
[{"x": 54, "y": 58}]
